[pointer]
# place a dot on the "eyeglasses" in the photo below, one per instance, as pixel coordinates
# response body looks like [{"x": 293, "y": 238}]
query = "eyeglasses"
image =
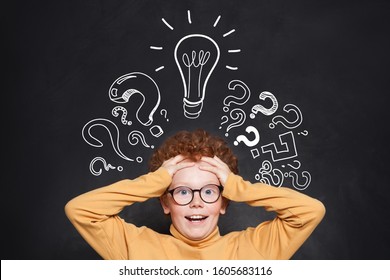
[{"x": 184, "y": 195}]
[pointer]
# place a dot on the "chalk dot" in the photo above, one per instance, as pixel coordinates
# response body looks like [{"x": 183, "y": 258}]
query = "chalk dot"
[
  {"x": 252, "y": 116},
  {"x": 235, "y": 143},
  {"x": 226, "y": 134},
  {"x": 152, "y": 147}
]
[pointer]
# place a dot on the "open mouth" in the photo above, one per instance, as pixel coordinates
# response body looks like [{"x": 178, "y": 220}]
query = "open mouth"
[{"x": 196, "y": 218}]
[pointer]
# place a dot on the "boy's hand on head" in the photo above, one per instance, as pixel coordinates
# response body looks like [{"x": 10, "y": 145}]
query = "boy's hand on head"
[
  {"x": 176, "y": 163},
  {"x": 216, "y": 166}
]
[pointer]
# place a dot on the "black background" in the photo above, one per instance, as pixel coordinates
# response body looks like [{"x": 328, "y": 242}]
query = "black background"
[{"x": 330, "y": 58}]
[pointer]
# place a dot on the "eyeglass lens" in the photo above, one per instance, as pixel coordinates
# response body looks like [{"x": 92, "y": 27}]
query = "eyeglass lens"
[{"x": 184, "y": 195}]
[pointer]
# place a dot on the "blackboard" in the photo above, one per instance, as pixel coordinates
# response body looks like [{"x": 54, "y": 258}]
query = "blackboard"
[{"x": 317, "y": 69}]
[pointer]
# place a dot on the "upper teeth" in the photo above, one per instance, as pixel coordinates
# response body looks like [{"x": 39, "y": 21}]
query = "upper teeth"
[{"x": 196, "y": 217}]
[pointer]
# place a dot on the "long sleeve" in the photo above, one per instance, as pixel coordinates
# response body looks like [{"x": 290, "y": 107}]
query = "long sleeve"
[
  {"x": 95, "y": 214},
  {"x": 297, "y": 216}
]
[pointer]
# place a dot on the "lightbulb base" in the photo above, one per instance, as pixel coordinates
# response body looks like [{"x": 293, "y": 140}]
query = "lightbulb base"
[{"x": 192, "y": 109}]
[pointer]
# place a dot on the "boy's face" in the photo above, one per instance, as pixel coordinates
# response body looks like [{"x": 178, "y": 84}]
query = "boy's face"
[{"x": 197, "y": 219}]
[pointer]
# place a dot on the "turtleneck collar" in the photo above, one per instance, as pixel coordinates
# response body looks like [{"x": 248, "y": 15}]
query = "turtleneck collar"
[{"x": 210, "y": 239}]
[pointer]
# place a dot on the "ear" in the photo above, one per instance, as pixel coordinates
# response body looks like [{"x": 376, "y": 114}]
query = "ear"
[
  {"x": 165, "y": 204},
  {"x": 224, "y": 205}
]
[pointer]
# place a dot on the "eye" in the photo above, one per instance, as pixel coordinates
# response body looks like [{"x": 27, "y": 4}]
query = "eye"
[
  {"x": 210, "y": 190},
  {"x": 182, "y": 191}
]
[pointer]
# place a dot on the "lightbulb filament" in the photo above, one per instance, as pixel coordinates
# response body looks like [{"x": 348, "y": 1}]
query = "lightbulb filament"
[
  {"x": 202, "y": 59},
  {"x": 196, "y": 61}
]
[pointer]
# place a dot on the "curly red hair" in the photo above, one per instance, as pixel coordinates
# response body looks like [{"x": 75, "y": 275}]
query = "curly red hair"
[{"x": 194, "y": 145}]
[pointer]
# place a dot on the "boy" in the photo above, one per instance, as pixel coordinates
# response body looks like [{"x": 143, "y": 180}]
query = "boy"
[{"x": 194, "y": 174}]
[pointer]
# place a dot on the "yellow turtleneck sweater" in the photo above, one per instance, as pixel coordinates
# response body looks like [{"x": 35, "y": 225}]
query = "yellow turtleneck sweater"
[{"x": 95, "y": 216}]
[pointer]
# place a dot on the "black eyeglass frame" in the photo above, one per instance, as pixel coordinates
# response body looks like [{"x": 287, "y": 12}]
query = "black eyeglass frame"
[{"x": 220, "y": 188}]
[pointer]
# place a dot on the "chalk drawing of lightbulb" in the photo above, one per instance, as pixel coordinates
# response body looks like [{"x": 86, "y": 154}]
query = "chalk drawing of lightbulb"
[{"x": 196, "y": 57}]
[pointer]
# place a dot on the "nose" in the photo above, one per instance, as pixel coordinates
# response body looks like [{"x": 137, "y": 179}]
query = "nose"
[{"x": 196, "y": 202}]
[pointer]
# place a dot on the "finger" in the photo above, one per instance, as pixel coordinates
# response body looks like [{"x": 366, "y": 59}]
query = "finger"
[
  {"x": 215, "y": 161},
  {"x": 208, "y": 167},
  {"x": 219, "y": 160},
  {"x": 186, "y": 164},
  {"x": 221, "y": 172},
  {"x": 174, "y": 160},
  {"x": 173, "y": 166},
  {"x": 178, "y": 159},
  {"x": 209, "y": 160}
]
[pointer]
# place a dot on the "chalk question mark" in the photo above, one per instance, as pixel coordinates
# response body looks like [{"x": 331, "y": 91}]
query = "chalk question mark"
[
  {"x": 234, "y": 99},
  {"x": 124, "y": 114},
  {"x": 286, "y": 123},
  {"x": 239, "y": 116},
  {"x": 296, "y": 180},
  {"x": 163, "y": 112},
  {"x": 243, "y": 138},
  {"x": 260, "y": 108},
  {"x": 112, "y": 130},
  {"x": 106, "y": 166},
  {"x": 137, "y": 83},
  {"x": 269, "y": 175},
  {"x": 136, "y": 136},
  {"x": 224, "y": 120}
]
